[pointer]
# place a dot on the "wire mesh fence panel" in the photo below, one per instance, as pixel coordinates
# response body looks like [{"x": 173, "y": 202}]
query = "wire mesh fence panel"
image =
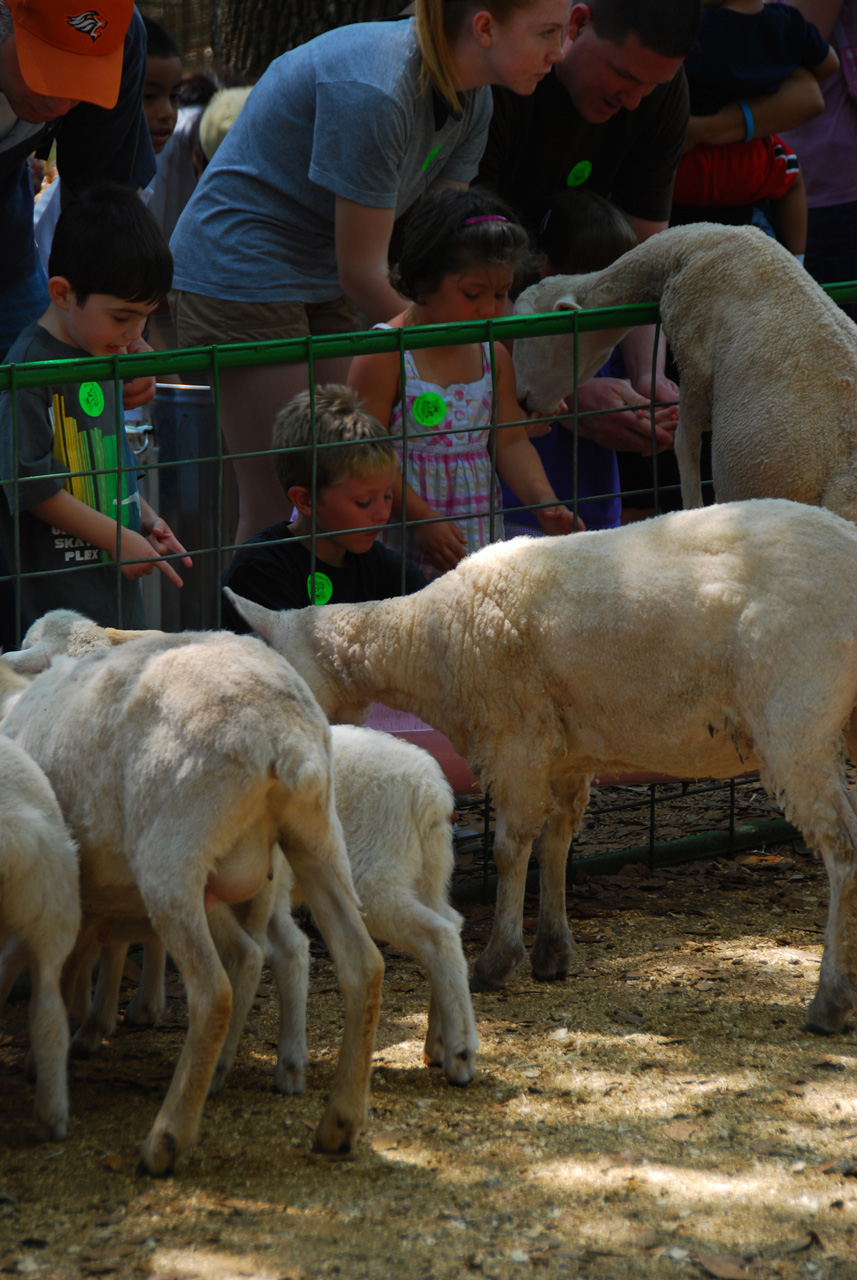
[{"x": 181, "y": 463}]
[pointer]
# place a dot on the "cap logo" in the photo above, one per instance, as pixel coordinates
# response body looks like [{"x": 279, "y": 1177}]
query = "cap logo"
[{"x": 89, "y": 24}]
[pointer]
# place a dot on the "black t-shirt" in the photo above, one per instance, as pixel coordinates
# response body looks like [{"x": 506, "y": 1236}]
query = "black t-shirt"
[
  {"x": 276, "y": 574},
  {"x": 538, "y": 145}
]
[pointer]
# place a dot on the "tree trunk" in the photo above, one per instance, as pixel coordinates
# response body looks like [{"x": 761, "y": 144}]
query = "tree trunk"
[{"x": 247, "y": 34}]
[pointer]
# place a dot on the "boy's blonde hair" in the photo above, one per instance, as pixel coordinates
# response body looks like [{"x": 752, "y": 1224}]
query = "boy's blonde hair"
[{"x": 350, "y": 442}]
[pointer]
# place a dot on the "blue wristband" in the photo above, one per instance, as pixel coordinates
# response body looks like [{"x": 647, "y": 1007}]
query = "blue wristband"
[{"x": 748, "y": 119}]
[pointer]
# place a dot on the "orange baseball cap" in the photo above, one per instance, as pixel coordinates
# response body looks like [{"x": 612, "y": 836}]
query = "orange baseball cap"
[{"x": 66, "y": 51}]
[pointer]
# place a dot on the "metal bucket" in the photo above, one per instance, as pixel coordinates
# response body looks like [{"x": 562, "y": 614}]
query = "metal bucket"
[{"x": 201, "y": 511}]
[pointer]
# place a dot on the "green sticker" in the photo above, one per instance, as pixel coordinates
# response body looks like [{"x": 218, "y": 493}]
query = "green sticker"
[
  {"x": 429, "y": 409},
  {"x": 323, "y": 588},
  {"x": 431, "y": 155},
  {"x": 579, "y": 174},
  {"x": 91, "y": 399}
]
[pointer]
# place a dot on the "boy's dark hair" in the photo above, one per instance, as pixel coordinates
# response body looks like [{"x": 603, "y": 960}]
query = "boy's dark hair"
[
  {"x": 106, "y": 241},
  {"x": 667, "y": 27},
  {"x": 582, "y": 231},
  {"x": 450, "y": 231},
  {"x": 351, "y": 441},
  {"x": 159, "y": 42}
]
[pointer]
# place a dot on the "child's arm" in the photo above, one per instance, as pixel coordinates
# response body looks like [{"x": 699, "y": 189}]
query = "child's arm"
[
  {"x": 826, "y": 67},
  {"x": 798, "y": 98},
  {"x": 517, "y": 461},
  {"x": 74, "y": 517},
  {"x": 376, "y": 381}
]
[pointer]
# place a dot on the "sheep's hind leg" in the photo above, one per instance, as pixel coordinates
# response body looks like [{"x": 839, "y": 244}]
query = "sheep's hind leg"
[
  {"x": 183, "y": 928},
  {"x": 505, "y": 949},
  {"x": 814, "y": 796},
  {"x": 836, "y": 995},
  {"x": 435, "y": 942},
  {"x": 553, "y": 949},
  {"x": 288, "y": 957},
  {"x": 320, "y": 864},
  {"x": 49, "y": 1040}
]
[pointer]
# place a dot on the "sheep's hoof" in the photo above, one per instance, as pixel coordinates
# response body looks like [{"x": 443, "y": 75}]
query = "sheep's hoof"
[
  {"x": 826, "y": 1015},
  {"x": 289, "y": 1078},
  {"x": 478, "y": 983},
  {"x": 556, "y": 976},
  {"x": 335, "y": 1135},
  {"x": 814, "y": 1029},
  {"x": 51, "y": 1128},
  {"x": 158, "y": 1155}
]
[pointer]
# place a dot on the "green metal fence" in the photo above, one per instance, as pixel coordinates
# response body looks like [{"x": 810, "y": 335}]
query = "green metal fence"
[{"x": 207, "y": 364}]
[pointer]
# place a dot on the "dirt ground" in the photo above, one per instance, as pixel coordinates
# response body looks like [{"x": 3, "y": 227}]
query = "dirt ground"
[{"x": 658, "y": 1114}]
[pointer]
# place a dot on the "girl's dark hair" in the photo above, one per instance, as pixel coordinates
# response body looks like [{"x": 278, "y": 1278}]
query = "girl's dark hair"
[
  {"x": 106, "y": 241},
  {"x": 449, "y": 231},
  {"x": 581, "y": 231},
  {"x": 159, "y": 42}
]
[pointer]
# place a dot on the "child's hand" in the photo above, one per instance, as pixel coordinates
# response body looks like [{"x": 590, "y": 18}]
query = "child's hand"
[
  {"x": 558, "y": 520},
  {"x": 539, "y": 424},
  {"x": 162, "y": 538},
  {"x": 443, "y": 544},
  {"x": 136, "y": 547},
  {"x": 138, "y": 391}
]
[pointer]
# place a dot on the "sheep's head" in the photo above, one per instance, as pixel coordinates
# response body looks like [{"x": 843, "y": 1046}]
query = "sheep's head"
[
  {"x": 545, "y": 367},
  {"x": 292, "y": 633}
]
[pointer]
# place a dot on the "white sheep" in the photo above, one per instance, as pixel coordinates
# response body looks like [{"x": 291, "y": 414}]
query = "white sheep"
[
  {"x": 39, "y": 920},
  {"x": 395, "y": 806},
  {"x": 768, "y": 362},
  {"x": 178, "y": 763},
  {"x": 699, "y": 644}
]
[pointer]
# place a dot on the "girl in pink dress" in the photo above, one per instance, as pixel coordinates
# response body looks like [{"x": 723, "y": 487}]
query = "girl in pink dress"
[{"x": 457, "y": 262}]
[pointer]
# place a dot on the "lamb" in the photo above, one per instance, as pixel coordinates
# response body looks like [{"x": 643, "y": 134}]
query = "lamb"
[
  {"x": 64, "y": 632},
  {"x": 768, "y": 362},
  {"x": 179, "y": 762},
  {"x": 39, "y": 920},
  {"x": 672, "y": 645},
  {"x": 395, "y": 807}
]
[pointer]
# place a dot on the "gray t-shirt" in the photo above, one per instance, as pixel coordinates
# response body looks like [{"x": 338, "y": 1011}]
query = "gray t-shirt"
[{"x": 342, "y": 115}]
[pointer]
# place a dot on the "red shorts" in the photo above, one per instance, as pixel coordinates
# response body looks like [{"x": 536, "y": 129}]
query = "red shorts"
[{"x": 735, "y": 173}]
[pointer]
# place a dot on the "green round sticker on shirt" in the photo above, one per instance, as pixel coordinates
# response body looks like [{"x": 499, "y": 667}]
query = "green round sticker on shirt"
[
  {"x": 323, "y": 588},
  {"x": 91, "y": 399},
  {"x": 429, "y": 409},
  {"x": 579, "y": 174}
]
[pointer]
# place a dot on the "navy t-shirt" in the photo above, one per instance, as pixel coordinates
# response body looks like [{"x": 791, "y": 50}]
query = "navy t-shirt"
[{"x": 748, "y": 55}]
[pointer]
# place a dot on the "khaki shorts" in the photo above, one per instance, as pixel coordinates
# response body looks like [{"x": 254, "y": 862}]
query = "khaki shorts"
[{"x": 201, "y": 321}]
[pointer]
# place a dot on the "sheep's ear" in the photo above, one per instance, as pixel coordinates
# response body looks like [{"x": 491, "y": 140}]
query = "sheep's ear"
[
  {"x": 567, "y": 304},
  {"x": 28, "y": 662},
  {"x": 267, "y": 623},
  {"x": 117, "y": 636}
]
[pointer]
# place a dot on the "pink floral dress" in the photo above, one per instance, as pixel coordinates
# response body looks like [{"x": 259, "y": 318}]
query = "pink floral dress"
[{"x": 448, "y": 459}]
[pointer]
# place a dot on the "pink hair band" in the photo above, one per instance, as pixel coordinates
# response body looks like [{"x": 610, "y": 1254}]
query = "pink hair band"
[{"x": 485, "y": 217}]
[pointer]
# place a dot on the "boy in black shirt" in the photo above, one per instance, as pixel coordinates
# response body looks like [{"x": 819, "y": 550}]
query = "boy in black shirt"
[{"x": 328, "y": 553}]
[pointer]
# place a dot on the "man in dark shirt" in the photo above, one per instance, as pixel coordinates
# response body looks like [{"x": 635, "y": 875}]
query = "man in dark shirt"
[{"x": 612, "y": 116}]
